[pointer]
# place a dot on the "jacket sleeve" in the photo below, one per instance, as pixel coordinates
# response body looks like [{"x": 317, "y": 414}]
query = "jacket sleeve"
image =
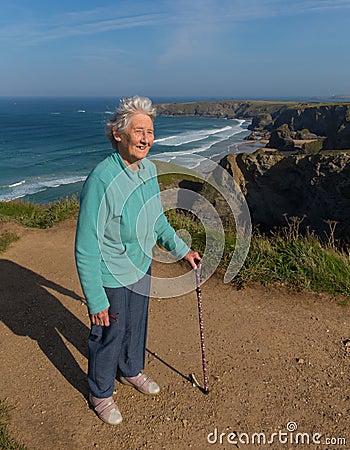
[
  {"x": 165, "y": 233},
  {"x": 169, "y": 239},
  {"x": 87, "y": 244}
]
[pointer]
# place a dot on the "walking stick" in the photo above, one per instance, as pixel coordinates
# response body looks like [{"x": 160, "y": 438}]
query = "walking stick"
[{"x": 205, "y": 389}]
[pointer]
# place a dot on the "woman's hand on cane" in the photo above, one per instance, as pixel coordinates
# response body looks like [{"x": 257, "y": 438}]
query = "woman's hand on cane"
[{"x": 193, "y": 258}]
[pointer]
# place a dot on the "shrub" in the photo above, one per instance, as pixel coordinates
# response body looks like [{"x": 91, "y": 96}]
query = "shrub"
[{"x": 39, "y": 216}]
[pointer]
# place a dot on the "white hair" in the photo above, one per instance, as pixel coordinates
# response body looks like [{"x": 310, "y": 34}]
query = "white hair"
[{"x": 127, "y": 108}]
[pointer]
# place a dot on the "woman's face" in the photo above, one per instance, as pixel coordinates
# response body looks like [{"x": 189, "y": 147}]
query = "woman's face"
[{"x": 135, "y": 143}]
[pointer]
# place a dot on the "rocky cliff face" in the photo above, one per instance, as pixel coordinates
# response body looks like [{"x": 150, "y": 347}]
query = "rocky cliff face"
[
  {"x": 329, "y": 121},
  {"x": 316, "y": 186},
  {"x": 230, "y": 109}
]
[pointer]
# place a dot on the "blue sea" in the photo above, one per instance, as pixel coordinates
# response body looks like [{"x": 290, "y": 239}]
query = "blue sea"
[{"x": 48, "y": 146}]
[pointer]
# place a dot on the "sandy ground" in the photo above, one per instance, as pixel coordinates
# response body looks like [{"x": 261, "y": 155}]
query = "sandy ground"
[{"x": 277, "y": 362}]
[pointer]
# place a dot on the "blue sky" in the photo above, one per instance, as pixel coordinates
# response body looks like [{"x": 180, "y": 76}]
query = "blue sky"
[{"x": 185, "y": 48}]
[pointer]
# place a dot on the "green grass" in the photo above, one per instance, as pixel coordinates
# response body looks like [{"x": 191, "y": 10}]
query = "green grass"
[
  {"x": 286, "y": 258},
  {"x": 6, "y": 238},
  {"x": 301, "y": 263},
  {"x": 171, "y": 174},
  {"x": 6, "y": 442},
  {"x": 39, "y": 216}
]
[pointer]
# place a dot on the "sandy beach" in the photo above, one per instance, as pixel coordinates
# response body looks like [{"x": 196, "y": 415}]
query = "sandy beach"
[{"x": 277, "y": 361}]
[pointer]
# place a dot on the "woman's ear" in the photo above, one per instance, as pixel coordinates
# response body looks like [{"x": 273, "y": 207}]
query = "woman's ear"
[{"x": 116, "y": 135}]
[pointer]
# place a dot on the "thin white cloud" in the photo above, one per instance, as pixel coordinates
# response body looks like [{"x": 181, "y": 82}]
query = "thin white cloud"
[
  {"x": 188, "y": 21},
  {"x": 193, "y": 33},
  {"x": 224, "y": 10},
  {"x": 325, "y": 5},
  {"x": 199, "y": 24},
  {"x": 259, "y": 9},
  {"x": 72, "y": 24}
]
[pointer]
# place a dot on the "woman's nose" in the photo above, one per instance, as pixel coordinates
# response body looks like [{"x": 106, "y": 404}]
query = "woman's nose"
[{"x": 145, "y": 137}]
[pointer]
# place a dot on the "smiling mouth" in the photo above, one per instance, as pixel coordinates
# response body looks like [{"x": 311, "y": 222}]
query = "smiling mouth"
[{"x": 142, "y": 147}]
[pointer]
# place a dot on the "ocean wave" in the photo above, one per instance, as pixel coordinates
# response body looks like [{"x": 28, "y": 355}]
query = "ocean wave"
[
  {"x": 204, "y": 147},
  {"x": 19, "y": 183},
  {"x": 191, "y": 136},
  {"x": 157, "y": 141},
  {"x": 191, "y": 157},
  {"x": 35, "y": 185},
  {"x": 202, "y": 164}
]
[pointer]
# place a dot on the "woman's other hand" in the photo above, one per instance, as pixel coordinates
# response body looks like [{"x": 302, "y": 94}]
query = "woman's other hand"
[{"x": 101, "y": 318}]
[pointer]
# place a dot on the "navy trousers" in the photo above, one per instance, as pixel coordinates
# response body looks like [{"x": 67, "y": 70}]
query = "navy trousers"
[{"x": 120, "y": 348}]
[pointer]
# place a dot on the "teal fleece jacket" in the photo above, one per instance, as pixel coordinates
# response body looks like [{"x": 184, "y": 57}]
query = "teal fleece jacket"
[{"x": 120, "y": 220}]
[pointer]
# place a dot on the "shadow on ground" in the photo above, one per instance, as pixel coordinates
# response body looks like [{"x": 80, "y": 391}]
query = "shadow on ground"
[{"x": 29, "y": 309}]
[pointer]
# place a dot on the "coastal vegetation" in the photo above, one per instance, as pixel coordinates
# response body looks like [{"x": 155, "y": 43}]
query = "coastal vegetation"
[
  {"x": 34, "y": 215},
  {"x": 287, "y": 257},
  {"x": 6, "y": 441},
  {"x": 37, "y": 215},
  {"x": 6, "y": 239}
]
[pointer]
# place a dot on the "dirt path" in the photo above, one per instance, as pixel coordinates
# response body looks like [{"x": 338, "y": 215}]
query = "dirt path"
[{"x": 274, "y": 358}]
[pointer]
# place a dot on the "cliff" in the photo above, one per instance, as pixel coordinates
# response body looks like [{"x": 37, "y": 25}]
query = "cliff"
[
  {"x": 320, "y": 126},
  {"x": 313, "y": 187},
  {"x": 307, "y": 182}
]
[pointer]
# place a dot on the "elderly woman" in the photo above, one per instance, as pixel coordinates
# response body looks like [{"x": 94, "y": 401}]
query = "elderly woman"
[{"x": 120, "y": 220}]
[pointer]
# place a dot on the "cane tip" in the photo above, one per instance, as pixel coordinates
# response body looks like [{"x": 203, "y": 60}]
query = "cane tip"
[{"x": 206, "y": 392}]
